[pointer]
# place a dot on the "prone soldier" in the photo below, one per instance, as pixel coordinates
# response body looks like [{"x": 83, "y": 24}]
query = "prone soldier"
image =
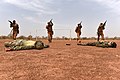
[
  {"x": 103, "y": 44},
  {"x": 24, "y": 45}
]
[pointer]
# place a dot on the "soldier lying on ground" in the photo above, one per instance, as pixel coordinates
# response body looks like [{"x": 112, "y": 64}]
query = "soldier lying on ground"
[
  {"x": 105, "y": 44},
  {"x": 25, "y": 45}
]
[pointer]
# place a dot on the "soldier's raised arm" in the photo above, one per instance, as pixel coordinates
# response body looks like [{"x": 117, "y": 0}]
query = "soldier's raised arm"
[
  {"x": 10, "y": 23},
  {"x": 104, "y": 24}
]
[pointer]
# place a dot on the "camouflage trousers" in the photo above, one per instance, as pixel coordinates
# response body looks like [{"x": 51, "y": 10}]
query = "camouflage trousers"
[
  {"x": 78, "y": 36},
  {"x": 50, "y": 36},
  {"x": 100, "y": 34}
]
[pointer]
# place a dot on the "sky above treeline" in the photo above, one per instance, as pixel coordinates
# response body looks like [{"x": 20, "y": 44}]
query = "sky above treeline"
[{"x": 33, "y": 15}]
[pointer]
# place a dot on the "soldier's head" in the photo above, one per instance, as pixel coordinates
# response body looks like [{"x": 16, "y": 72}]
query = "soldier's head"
[
  {"x": 50, "y": 23},
  {"x": 39, "y": 45},
  {"x": 79, "y": 24},
  {"x": 14, "y": 21},
  {"x": 112, "y": 44},
  {"x": 101, "y": 23}
]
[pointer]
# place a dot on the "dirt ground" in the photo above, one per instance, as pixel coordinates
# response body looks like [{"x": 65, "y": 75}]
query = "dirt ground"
[{"x": 61, "y": 62}]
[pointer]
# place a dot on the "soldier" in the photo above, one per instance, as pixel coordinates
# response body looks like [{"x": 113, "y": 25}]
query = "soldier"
[
  {"x": 15, "y": 29},
  {"x": 100, "y": 30},
  {"x": 50, "y": 30},
  {"x": 104, "y": 44},
  {"x": 24, "y": 45},
  {"x": 78, "y": 31}
]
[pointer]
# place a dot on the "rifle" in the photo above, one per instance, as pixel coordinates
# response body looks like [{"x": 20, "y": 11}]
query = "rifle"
[
  {"x": 51, "y": 20},
  {"x": 104, "y": 24},
  {"x": 10, "y": 23},
  {"x": 80, "y": 22}
]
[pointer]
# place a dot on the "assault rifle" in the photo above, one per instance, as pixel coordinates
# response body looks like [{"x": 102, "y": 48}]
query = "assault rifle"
[
  {"x": 51, "y": 23},
  {"x": 10, "y": 23},
  {"x": 51, "y": 20},
  {"x": 104, "y": 24},
  {"x": 80, "y": 22}
]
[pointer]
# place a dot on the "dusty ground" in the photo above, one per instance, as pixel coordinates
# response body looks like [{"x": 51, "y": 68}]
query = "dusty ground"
[{"x": 61, "y": 62}]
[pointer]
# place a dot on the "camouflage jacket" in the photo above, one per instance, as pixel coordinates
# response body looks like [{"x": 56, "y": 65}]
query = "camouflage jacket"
[
  {"x": 78, "y": 29},
  {"x": 49, "y": 27}
]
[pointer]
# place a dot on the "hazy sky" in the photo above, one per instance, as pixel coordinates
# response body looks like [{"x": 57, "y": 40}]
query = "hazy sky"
[{"x": 32, "y": 16}]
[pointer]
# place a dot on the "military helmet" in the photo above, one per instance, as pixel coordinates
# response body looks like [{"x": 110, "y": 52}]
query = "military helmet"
[
  {"x": 39, "y": 45},
  {"x": 79, "y": 24},
  {"x": 101, "y": 23},
  {"x": 112, "y": 44},
  {"x": 14, "y": 21}
]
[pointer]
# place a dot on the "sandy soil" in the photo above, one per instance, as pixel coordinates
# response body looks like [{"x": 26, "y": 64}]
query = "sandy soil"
[{"x": 61, "y": 62}]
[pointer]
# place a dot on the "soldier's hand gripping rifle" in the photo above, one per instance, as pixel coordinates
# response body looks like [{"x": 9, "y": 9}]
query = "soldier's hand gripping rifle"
[
  {"x": 81, "y": 24},
  {"x": 10, "y": 23},
  {"x": 51, "y": 22},
  {"x": 104, "y": 24}
]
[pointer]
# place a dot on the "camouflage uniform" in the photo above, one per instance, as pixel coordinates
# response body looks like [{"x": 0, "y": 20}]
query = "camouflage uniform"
[
  {"x": 105, "y": 44},
  {"x": 50, "y": 31},
  {"x": 78, "y": 31},
  {"x": 15, "y": 28},
  {"x": 25, "y": 45}
]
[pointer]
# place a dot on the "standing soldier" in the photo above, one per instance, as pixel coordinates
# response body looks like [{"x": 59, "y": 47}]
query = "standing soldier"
[
  {"x": 15, "y": 29},
  {"x": 100, "y": 30},
  {"x": 50, "y": 30},
  {"x": 78, "y": 31}
]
